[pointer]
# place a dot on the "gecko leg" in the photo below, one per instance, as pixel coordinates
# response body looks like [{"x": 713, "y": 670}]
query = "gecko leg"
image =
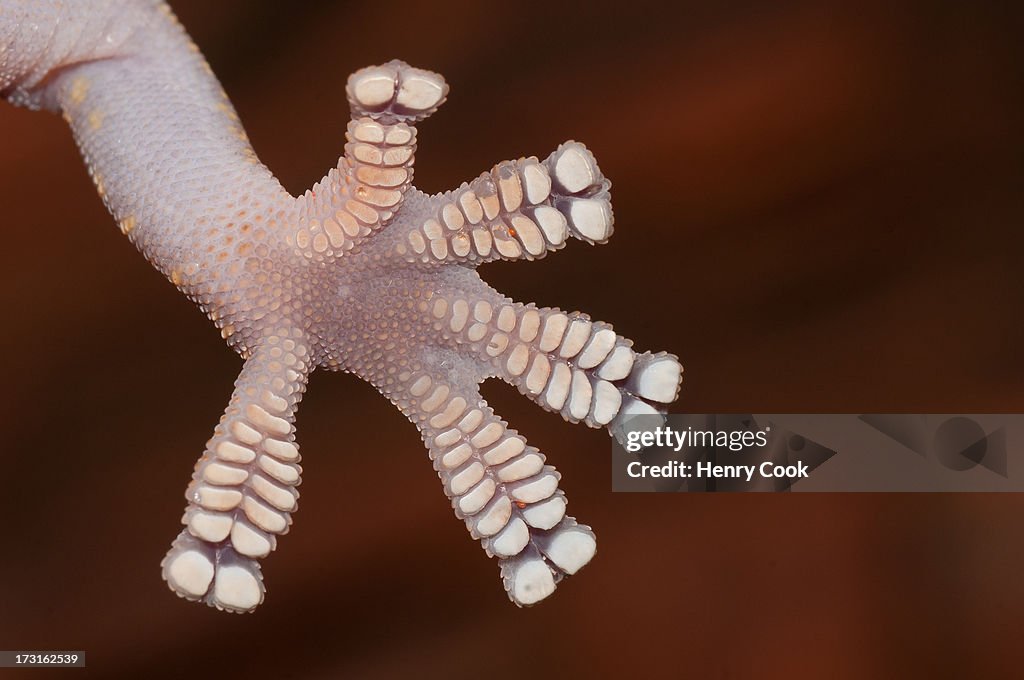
[
  {"x": 372, "y": 177},
  {"x": 518, "y": 210},
  {"x": 499, "y": 485},
  {"x": 565, "y": 362},
  {"x": 243, "y": 487}
]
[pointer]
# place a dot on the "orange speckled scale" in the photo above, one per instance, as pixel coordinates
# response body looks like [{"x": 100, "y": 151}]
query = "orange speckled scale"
[{"x": 363, "y": 273}]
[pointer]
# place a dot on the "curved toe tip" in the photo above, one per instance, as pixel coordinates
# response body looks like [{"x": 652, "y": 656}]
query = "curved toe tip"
[
  {"x": 531, "y": 582},
  {"x": 395, "y": 92}
]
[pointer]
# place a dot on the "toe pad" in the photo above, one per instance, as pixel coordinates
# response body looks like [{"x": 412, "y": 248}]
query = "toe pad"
[{"x": 395, "y": 92}]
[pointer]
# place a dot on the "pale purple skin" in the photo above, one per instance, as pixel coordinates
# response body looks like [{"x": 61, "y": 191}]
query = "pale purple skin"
[{"x": 363, "y": 274}]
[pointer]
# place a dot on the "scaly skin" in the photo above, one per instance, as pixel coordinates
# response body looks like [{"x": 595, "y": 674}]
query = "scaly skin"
[{"x": 363, "y": 274}]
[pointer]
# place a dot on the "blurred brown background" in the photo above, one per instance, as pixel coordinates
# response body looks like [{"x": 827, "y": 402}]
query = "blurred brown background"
[{"x": 818, "y": 207}]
